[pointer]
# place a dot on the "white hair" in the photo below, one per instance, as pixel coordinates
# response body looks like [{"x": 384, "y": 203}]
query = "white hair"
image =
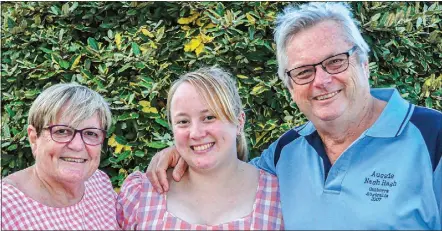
[{"x": 297, "y": 18}]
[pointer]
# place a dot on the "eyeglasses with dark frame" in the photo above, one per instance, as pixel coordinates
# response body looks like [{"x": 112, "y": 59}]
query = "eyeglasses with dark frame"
[
  {"x": 332, "y": 65},
  {"x": 65, "y": 134}
]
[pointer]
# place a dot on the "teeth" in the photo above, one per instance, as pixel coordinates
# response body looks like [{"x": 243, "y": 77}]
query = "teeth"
[
  {"x": 73, "y": 160},
  {"x": 203, "y": 147},
  {"x": 327, "y": 96}
]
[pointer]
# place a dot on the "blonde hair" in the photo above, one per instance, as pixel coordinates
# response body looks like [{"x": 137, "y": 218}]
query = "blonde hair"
[
  {"x": 218, "y": 89},
  {"x": 81, "y": 103}
]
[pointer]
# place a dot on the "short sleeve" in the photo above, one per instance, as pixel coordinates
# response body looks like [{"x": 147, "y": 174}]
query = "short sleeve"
[
  {"x": 128, "y": 201},
  {"x": 7, "y": 213}
]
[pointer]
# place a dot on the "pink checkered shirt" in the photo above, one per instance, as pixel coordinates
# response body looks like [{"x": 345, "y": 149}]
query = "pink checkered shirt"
[
  {"x": 96, "y": 210},
  {"x": 140, "y": 207}
]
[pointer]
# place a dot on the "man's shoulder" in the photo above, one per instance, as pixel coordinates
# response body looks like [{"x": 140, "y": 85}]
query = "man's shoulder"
[
  {"x": 287, "y": 138},
  {"x": 424, "y": 113},
  {"x": 429, "y": 124}
]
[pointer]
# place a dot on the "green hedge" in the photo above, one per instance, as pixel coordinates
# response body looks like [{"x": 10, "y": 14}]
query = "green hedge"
[{"x": 130, "y": 52}]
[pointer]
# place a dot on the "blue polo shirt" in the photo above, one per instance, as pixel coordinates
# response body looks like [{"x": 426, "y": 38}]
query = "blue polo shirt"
[{"x": 389, "y": 178}]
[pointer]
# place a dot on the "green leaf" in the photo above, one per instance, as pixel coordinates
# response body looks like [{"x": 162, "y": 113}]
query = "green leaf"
[
  {"x": 122, "y": 156},
  {"x": 139, "y": 153},
  {"x": 131, "y": 12},
  {"x": 107, "y": 25},
  {"x": 11, "y": 23},
  {"x": 429, "y": 102},
  {"x": 46, "y": 50},
  {"x": 55, "y": 10},
  {"x": 135, "y": 49},
  {"x": 121, "y": 140},
  {"x": 92, "y": 43},
  {"x": 65, "y": 8},
  {"x": 159, "y": 34},
  {"x": 157, "y": 145},
  {"x": 12, "y": 147},
  {"x": 162, "y": 122},
  {"x": 64, "y": 64}
]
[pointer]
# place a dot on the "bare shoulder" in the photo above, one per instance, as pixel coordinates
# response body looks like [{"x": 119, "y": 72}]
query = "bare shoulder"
[{"x": 18, "y": 179}]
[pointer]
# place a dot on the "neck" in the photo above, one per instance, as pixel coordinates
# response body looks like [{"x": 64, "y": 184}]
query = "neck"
[
  {"x": 216, "y": 180},
  {"x": 54, "y": 193},
  {"x": 339, "y": 134}
]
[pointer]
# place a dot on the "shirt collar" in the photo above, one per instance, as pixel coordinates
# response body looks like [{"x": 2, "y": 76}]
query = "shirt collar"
[{"x": 390, "y": 123}]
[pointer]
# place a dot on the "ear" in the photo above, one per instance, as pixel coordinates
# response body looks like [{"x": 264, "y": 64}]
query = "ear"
[
  {"x": 242, "y": 121},
  {"x": 32, "y": 135}
]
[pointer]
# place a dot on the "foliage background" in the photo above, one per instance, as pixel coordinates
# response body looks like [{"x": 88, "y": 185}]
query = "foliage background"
[{"x": 130, "y": 52}]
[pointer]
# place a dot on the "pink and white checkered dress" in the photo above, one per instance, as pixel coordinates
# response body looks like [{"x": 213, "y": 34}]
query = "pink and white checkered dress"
[
  {"x": 140, "y": 207},
  {"x": 96, "y": 210}
]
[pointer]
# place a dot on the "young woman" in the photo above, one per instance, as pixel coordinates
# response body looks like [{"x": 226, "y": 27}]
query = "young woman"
[{"x": 219, "y": 190}]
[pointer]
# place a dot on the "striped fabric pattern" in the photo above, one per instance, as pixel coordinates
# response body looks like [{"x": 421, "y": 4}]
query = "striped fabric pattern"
[
  {"x": 95, "y": 211},
  {"x": 140, "y": 207}
]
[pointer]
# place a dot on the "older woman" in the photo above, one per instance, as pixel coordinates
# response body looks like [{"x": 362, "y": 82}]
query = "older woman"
[
  {"x": 220, "y": 190},
  {"x": 63, "y": 190}
]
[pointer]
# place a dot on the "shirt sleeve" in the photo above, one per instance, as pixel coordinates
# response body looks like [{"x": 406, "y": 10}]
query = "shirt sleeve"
[
  {"x": 7, "y": 211},
  {"x": 128, "y": 201},
  {"x": 437, "y": 175},
  {"x": 266, "y": 161}
]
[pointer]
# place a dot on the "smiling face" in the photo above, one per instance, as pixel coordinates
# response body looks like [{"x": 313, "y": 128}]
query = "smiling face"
[
  {"x": 329, "y": 96},
  {"x": 72, "y": 162},
  {"x": 203, "y": 140}
]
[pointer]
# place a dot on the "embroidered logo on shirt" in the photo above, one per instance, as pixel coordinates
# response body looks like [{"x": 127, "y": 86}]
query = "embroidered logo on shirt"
[{"x": 380, "y": 185}]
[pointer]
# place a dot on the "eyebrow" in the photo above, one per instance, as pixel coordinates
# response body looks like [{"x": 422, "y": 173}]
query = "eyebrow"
[
  {"x": 328, "y": 56},
  {"x": 185, "y": 114}
]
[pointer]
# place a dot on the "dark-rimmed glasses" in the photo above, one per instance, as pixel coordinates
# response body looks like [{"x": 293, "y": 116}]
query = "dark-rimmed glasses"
[
  {"x": 332, "y": 65},
  {"x": 65, "y": 134}
]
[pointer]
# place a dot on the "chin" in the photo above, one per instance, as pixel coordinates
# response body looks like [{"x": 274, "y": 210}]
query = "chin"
[
  {"x": 73, "y": 177},
  {"x": 327, "y": 116}
]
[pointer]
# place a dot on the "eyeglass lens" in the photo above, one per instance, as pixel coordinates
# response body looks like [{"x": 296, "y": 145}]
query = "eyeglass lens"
[{"x": 92, "y": 136}]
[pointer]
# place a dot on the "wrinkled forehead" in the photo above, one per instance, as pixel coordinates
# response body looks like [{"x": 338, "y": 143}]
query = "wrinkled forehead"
[{"x": 316, "y": 43}]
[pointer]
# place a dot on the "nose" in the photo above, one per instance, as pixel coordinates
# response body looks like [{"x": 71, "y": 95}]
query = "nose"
[
  {"x": 322, "y": 78},
  {"x": 197, "y": 131},
  {"x": 76, "y": 143}
]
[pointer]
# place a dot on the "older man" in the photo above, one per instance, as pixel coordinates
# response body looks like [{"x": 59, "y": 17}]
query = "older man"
[{"x": 367, "y": 159}]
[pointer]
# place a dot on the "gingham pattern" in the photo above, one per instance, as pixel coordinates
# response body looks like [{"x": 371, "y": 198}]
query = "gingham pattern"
[
  {"x": 96, "y": 210},
  {"x": 140, "y": 207}
]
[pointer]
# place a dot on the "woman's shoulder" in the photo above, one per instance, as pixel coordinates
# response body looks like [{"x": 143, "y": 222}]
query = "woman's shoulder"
[
  {"x": 13, "y": 186},
  {"x": 99, "y": 178},
  {"x": 136, "y": 182},
  {"x": 268, "y": 180}
]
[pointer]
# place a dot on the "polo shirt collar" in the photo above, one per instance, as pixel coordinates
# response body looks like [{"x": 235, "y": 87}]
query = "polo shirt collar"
[
  {"x": 390, "y": 123},
  {"x": 395, "y": 115}
]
